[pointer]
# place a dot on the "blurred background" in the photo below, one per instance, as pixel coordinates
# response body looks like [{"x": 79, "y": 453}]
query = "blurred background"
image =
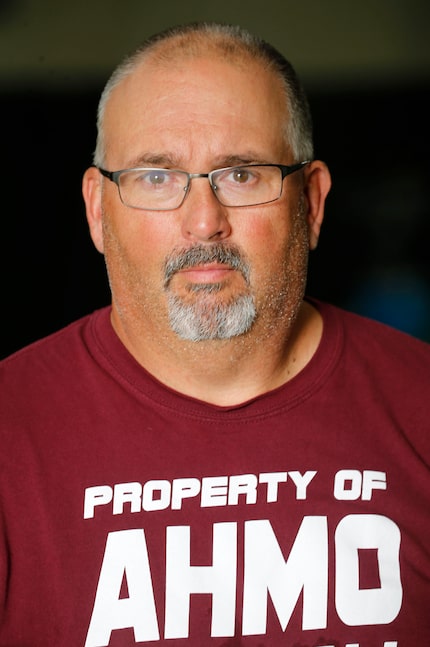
[{"x": 366, "y": 68}]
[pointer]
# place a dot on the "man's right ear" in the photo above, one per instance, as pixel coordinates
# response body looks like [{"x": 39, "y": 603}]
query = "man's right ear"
[{"x": 92, "y": 192}]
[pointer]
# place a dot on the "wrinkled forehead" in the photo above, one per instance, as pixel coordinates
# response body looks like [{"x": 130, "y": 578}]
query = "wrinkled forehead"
[{"x": 164, "y": 86}]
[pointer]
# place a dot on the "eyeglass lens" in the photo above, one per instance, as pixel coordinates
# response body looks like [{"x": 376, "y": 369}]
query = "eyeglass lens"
[{"x": 163, "y": 189}]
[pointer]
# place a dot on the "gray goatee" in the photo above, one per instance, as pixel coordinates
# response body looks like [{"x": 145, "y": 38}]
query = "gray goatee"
[{"x": 204, "y": 318}]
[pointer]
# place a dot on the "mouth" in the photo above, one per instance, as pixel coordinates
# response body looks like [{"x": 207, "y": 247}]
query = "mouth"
[
  {"x": 206, "y": 273},
  {"x": 205, "y": 265}
]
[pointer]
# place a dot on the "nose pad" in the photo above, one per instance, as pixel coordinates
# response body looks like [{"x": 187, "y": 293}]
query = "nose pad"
[
  {"x": 214, "y": 191},
  {"x": 186, "y": 190}
]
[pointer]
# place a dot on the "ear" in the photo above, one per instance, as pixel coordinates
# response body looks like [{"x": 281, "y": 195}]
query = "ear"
[
  {"x": 317, "y": 186},
  {"x": 92, "y": 192}
]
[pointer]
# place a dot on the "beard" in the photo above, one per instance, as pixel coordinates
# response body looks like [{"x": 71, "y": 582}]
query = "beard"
[
  {"x": 204, "y": 317},
  {"x": 199, "y": 313}
]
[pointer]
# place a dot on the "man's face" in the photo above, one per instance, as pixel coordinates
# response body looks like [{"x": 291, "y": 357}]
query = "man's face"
[{"x": 213, "y": 270}]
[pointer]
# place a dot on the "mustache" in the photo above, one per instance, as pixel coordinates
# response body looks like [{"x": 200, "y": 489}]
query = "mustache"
[{"x": 229, "y": 255}]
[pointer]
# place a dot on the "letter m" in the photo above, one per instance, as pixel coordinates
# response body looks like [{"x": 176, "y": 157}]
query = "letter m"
[{"x": 267, "y": 572}]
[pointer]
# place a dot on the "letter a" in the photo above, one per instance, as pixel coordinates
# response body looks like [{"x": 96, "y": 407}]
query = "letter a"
[{"x": 125, "y": 554}]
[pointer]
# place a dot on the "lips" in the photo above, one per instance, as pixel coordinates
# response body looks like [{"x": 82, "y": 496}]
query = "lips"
[
  {"x": 206, "y": 273},
  {"x": 205, "y": 264}
]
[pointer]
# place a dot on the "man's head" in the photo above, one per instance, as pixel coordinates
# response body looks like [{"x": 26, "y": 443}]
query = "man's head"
[
  {"x": 194, "y": 100},
  {"x": 232, "y": 43}
]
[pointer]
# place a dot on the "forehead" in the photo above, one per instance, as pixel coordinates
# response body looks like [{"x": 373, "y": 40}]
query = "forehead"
[{"x": 195, "y": 107}]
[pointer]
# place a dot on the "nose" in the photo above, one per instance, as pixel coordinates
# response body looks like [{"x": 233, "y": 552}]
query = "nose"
[{"x": 203, "y": 217}]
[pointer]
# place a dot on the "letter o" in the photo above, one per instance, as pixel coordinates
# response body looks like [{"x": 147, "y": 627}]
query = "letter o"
[
  {"x": 342, "y": 493},
  {"x": 162, "y": 501}
]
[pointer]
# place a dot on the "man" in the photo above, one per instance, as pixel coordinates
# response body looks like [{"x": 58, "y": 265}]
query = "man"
[{"x": 214, "y": 460}]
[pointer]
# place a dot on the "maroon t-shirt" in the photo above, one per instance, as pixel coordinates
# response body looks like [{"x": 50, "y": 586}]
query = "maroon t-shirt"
[{"x": 131, "y": 514}]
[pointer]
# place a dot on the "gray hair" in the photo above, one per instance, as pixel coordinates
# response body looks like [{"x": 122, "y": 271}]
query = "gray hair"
[{"x": 233, "y": 42}]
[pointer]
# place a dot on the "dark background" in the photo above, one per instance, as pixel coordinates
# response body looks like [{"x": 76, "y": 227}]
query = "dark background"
[{"x": 368, "y": 81}]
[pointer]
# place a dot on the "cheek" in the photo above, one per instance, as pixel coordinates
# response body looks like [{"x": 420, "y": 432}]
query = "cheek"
[
  {"x": 277, "y": 249},
  {"x": 132, "y": 237},
  {"x": 266, "y": 240}
]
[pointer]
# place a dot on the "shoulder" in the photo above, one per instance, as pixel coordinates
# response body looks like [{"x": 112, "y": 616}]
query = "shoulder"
[
  {"x": 380, "y": 372},
  {"x": 374, "y": 341},
  {"x": 381, "y": 368},
  {"x": 387, "y": 345},
  {"x": 373, "y": 358},
  {"x": 49, "y": 356}
]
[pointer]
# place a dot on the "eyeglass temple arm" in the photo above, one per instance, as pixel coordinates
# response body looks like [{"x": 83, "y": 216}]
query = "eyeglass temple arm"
[
  {"x": 287, "y": 170},
  {"x": 108, "y": 174}
]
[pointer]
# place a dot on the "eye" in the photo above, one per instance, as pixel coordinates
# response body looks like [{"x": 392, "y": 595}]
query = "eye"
[
  {"x": 241, "y": 175},
  {"x": 238, "y": 178},
  {"x": 155, "y": 177}
]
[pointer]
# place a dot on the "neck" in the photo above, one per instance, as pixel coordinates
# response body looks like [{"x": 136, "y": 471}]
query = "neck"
[{"x": 226, "y": 372}]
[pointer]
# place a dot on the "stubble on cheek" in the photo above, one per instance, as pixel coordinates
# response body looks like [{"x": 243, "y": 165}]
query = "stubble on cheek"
[
  {"x": 282, "y": 293},
  {"x": 133, "y": 291}
]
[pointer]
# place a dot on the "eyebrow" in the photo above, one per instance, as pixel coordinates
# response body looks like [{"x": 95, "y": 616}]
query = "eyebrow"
[
  {"x": 237, "y": 160},
  {"x": 166, "y": 160},
  {"x": 153, "y": 159}
]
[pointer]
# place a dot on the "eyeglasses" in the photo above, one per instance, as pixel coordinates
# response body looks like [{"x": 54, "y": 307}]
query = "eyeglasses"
[{"x": 159, "y": 189}]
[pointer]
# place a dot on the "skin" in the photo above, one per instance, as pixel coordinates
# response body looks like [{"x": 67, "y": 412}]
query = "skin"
[{"x": 200, "y": 114}]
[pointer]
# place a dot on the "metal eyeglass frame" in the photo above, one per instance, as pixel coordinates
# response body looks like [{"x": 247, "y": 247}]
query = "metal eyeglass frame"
[{"x": 114, "y": 176}]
